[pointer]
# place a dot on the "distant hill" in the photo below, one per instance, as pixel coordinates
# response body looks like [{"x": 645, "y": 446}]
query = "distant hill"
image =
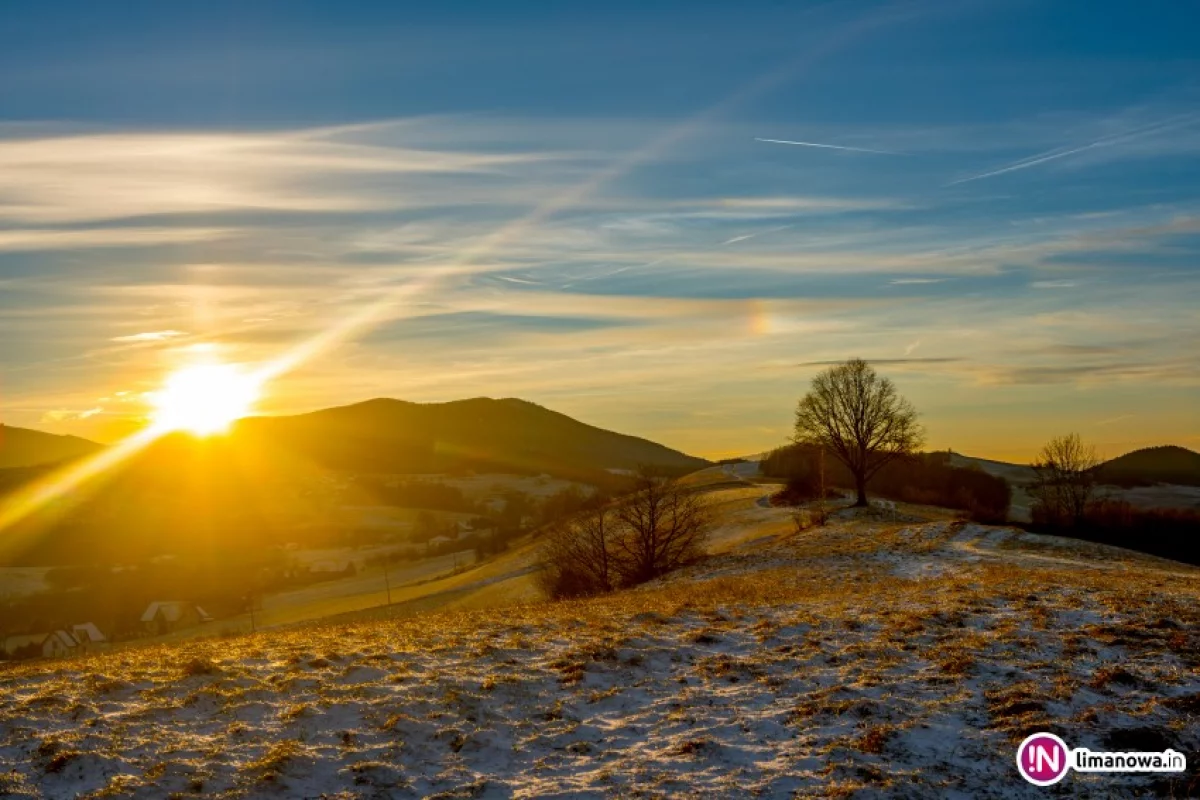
[
  {"x": 1150, "y": 465},
  {"x": 481, "y": 434},
  {"x": 231, "y": 497},
  {"x": 22, "y": 447}
]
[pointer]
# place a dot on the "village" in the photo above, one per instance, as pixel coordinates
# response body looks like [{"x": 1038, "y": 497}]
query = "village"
[{"x": 377, "y": 548}]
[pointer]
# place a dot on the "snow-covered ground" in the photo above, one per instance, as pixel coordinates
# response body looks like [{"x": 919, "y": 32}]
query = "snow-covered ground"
[{"x": 863, "y": 658}]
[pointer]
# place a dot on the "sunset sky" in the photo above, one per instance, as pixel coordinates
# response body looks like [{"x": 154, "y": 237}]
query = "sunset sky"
[{"x": 581, "y": 205}]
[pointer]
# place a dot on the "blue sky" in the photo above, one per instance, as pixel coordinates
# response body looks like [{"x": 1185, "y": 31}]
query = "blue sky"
[{"x": 571, "y": 203}]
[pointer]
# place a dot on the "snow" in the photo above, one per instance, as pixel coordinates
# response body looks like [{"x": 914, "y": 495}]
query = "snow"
[{"x": 863, "y": 657}]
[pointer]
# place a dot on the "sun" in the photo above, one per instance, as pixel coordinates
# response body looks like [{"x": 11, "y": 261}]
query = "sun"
[{"x": 204, "y": 399}]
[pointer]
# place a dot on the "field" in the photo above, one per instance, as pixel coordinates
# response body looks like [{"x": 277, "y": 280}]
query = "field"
[{"x": 898, "y": 657}]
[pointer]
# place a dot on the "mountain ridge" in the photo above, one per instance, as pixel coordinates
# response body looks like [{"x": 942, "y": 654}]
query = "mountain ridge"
[
  {"x": 27, "y": 447},
  {"x": 507, "y": 434}
]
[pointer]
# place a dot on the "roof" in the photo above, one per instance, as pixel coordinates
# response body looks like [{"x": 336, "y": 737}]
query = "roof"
[
  {"x": 171, "y": 610},
  {"x": 62, "y": 639},
  {"x": 14, "y": 643},
  {"x": 330, "y": 565},
  {"x": 87, "y": 631}
]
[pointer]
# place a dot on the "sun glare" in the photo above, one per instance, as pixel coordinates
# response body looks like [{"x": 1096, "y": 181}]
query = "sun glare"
[{"x": 204, "y": 399}]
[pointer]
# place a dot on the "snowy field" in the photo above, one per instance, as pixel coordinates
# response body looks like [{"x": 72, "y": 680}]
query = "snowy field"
[{"x": 863, "y": 659}]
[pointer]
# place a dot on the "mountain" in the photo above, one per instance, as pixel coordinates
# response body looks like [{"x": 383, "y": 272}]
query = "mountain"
[
  {"x": 1150, "y": 465},
  {"x": 481, "y": 434},
  {"x": 22, "y": 447}
]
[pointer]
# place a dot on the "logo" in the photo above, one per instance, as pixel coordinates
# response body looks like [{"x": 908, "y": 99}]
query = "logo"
[{"x": 1042, "y": 759}]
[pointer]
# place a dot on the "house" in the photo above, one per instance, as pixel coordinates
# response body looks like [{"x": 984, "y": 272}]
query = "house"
[
  {"x": 25, "y": 645},
  {"x": 59, "y": 643},
  {"x": 333, "y": 566},
  {"x": 88, "y": 635},
  {"x": 164, "y": 616}
]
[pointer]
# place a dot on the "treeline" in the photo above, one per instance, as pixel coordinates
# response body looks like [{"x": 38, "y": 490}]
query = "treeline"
[
  {"x": 417, "y": 494},
  {"x": 924, "y": 478},
  {"x": 1167, "y": 532}
]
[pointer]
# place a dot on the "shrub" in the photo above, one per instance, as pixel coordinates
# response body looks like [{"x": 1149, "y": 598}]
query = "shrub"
[{"x": 652, "y": 531}]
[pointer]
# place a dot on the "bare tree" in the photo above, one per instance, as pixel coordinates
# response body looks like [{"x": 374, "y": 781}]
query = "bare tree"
[
  {"x": 576, "y": 557},
  {"x": 860, "y": 418},
  {"x": 664, "y": 527},
  {"x": 658, "y": 527},
  {"x": 1066, "y": 479}
]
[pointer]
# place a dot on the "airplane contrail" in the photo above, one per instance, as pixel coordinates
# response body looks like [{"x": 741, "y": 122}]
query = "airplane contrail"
[
  {"x": 1051, "y": 155},
  {"x": 746, "y": 236},
  {"x": 831, "y": 146}
]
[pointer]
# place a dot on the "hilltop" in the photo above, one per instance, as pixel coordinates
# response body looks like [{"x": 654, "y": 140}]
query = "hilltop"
[
  {"x": 1150, "y": 465},
  {"x": 482, "y": 434},
  {"x": 23, "y": 447},
  {"x": 237, "y": 495},
  {"x": 899, "y": 656}
]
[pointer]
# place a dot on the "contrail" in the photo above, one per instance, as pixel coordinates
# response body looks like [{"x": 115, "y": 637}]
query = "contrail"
[
  {"x": 1051, "y": 155},
  {"x": 746, "y": 236},
  {"x": 832, "y": 147}
]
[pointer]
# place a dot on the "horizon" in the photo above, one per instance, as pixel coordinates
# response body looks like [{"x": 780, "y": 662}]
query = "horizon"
[
  {"x": 662, "y": 229},
  {"x": 1102, "y": 448}
]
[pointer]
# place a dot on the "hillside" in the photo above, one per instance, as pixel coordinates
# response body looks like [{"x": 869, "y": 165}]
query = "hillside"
[
  {"x": 482, "y": 434},
  {"x": 1150, "y": 465},
  {"x": 898, "y": 658},
  {"x": 22, "y": 447}
]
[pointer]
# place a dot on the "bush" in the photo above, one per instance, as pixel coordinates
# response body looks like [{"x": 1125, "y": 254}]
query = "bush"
[{"x": 650, "y": 532}]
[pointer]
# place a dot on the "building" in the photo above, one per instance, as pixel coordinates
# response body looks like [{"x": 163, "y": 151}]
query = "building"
[
  {"x": 88, "y": 635},
  {"x": 59, "y": 643},
  {"x": 164, "y": 616},
  {"x": 25, "y": 645}
]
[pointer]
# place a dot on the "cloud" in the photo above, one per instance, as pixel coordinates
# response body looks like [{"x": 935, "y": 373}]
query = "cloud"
[
  {"x": 65, "y": 415},
  {"x": 945, "y": 360},
  {"x": 75, "y": 178},
  {"x": 33, "y": 239},
  {"x": 1054, "y": 284},
  {"x": 149, "y": 336}
]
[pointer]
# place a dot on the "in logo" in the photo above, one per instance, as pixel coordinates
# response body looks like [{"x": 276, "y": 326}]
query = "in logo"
[{"x": 1042, "y": 759}]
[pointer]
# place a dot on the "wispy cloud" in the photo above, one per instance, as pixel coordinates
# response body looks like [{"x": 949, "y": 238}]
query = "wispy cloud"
[
  {"x": 830, "y": 146},
  {"x": 894, "y": 361},
  {"x": 65, "y": 415},
  {"x": 111, "y": 176},
  {"x": 149, "y": 336}
]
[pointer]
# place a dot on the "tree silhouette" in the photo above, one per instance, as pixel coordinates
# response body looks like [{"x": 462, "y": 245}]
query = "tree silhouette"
[{"x": 860, "y": 418}]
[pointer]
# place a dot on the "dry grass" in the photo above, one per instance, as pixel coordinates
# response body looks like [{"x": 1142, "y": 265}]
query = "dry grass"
[{"x": 821, "y": 647}]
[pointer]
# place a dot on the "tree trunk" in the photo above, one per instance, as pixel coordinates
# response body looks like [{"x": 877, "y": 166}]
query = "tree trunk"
[{"x": 860, "y": 485}]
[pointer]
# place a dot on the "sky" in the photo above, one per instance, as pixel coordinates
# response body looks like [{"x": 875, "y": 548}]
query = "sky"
[{"x": 659, "y": 218}]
